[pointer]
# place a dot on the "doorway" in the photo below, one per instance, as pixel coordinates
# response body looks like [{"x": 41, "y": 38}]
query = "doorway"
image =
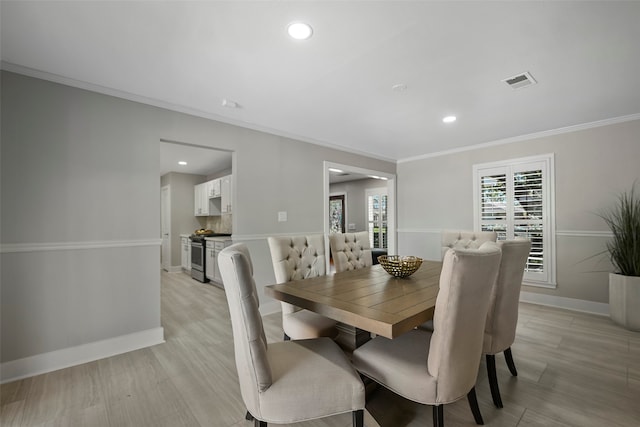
[{"x": 386, "y": 229}]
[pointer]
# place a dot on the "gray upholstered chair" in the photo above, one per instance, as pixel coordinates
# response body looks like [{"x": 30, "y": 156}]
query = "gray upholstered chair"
[
  {"x": 440, "y": 367},
  {"x": 502, "y": 318},
  {"x": 455, "y": 239},
  {"x": 295, "y": 258},
  {"x": 350, "y": 251},
  {"x": 283, "y": 382}
]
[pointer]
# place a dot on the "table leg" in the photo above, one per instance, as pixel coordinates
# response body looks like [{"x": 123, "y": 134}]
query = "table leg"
[{"x": 350, "y": 337}]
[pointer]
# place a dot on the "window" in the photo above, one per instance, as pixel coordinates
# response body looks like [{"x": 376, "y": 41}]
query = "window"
[
  {"x": 515, "y": 199},
  {"x": 377, "y": 217}
]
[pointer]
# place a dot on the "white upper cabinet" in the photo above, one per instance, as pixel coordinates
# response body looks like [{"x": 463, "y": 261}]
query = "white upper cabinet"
[
  {"x": 201, "y": 200},
  {"x": 213, "y": 198},
  {"x": 225, "y": 194},
  {"x": 213, "y": 188}
]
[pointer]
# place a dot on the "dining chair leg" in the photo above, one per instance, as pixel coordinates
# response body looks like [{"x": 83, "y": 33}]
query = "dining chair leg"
[
  {"x": 509, "y": 358},
  {"x": 493, "y": 380},
  {"x": 258, "y": 423},
  {"x": 475, "y": 409},
  {"x": 438, "y": 416},
  {"x": 358, "y": 418},
  {"x": 248, "y": 416}
]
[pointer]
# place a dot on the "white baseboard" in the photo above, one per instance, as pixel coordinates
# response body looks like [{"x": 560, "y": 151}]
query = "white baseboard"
[
  {"x": 66, "y": 357},
  {"x": 599, "y": 308}
]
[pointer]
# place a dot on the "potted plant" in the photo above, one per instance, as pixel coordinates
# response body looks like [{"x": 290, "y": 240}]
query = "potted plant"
[{"x": 624, "y": 249}]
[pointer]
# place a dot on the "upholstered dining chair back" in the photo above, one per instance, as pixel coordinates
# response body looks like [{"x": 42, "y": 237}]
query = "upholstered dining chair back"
[
  {"x": 249, "y": 340},
  {"x": 350, "y": 251},
  {"x": 288, "y": 381},
  {"x": 462, "y": 239},
  {"x": 502, "y": 318},
  {"x": 467, "y": 277},
  {"x": 295, "y": 258}
]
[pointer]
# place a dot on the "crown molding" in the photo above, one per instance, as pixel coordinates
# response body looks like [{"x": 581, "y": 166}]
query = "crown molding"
[
  {"x": 527, "y": 137},
  {"x": 104, "y": 90}
]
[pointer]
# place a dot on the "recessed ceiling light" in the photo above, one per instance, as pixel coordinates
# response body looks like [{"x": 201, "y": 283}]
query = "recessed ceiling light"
[
  {"x": 449, "y": 119},
  {"x": 182, "y": 163},
  {"x": 400, "y": 87},
  {"x": 300, "y": 30}
]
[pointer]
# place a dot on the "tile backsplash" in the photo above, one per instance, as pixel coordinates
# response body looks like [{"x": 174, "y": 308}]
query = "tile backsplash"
[{"x": 219, "y": 224}]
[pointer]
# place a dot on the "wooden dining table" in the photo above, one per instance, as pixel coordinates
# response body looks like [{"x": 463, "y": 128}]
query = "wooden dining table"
[{"x": 367, "y": 300}]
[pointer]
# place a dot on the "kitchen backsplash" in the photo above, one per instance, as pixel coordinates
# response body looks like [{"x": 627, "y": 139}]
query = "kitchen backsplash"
[{"x": 219, "y": 224}]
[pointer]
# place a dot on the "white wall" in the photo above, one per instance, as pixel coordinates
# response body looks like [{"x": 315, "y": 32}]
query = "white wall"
[
  {"x": 591, "y": 167},
  {"x": 80, "y": 213}
]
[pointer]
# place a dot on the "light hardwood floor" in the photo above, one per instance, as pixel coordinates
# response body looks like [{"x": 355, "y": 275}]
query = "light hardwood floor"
[{"x": 574, "y": 369}]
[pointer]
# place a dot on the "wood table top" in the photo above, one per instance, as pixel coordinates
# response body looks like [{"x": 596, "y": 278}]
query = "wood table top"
[{"x": 369, "y": 298}]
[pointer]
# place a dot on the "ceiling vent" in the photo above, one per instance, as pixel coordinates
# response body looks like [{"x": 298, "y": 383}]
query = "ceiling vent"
[{"x": 521, "y": 80}]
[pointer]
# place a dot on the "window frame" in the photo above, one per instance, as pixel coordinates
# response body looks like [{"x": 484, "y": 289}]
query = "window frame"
[
  {"x": 545, "y": 163},
  {"x": 382, "y": 191}
]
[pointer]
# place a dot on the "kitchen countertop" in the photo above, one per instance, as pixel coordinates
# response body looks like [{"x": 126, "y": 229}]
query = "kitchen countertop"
[{"x": 218, "y": 238}]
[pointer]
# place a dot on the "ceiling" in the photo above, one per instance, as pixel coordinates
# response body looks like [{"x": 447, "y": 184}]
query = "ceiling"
[
  {"x": 336, "y": 88},
  {"x": 199, "y": 160}
]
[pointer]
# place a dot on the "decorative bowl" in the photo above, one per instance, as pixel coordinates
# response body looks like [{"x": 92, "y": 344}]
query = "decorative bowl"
[{"x": 400, "y": 266}]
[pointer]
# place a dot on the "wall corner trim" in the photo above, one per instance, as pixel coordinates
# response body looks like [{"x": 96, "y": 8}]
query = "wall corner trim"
[{"x": 46, "y": 362}]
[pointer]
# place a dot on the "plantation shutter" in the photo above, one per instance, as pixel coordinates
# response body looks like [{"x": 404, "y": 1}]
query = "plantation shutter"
[
  {"x": 377, "y": 217},
  {"x": 514, "y": 201}
]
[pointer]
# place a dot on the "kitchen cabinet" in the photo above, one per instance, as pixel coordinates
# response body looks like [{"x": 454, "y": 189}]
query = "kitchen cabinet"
[
  {"x": 225, "y": 194},
  {"x": 214, "y": 246},
  {"x": 186, "y": 252},
  {"x": 205, "y": 206},
  {"x": 210, "y": 264},
  {"x": 213, "y": 188},
  {"x": 201, "y": 200}
]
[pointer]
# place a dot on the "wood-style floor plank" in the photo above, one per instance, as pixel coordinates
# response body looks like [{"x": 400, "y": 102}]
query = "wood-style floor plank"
[{"x": 574, "y": 369}]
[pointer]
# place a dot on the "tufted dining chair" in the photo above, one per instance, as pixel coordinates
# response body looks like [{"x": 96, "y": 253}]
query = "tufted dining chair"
[
  {"x": 440, "y": 367},
  {"x": 295, "y": 258},
  {"x": 350, "y": 251},
  {"x": 502, "y": 317},
  {"x": 454, "y": 239},
  {"x": 283, "y": 382}
]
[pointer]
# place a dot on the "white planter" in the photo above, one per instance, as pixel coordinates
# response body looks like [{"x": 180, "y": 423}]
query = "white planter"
[{"x": 624, "y": 300}]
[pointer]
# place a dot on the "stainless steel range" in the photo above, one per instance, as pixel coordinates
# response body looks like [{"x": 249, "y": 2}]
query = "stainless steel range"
[{"x": 198, "y": 252}]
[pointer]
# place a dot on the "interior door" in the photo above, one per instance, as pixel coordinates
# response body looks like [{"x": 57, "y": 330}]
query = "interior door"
[{"x": 165, "y": 224}]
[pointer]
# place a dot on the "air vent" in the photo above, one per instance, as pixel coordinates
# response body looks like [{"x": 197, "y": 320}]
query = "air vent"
[{"x": 519, "y": 81}]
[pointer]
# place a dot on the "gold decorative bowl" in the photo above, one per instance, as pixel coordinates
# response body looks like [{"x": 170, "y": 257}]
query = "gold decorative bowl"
[{"x": 400, "y": 266}]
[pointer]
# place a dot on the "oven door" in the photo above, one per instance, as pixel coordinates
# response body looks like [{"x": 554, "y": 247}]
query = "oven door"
[{"x": 197, "y": 256}]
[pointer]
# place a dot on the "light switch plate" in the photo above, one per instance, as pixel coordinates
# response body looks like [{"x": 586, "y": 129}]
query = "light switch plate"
[{"x": 282, "y": 216}]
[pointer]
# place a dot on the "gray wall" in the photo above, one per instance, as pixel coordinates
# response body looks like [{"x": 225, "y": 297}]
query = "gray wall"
[
  {"x": 80, "y": 167},
  {"x": 591, "y": 167}
]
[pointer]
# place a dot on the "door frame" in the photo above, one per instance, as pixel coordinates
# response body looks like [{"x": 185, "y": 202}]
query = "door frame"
[
  {"x": 391, "y": 202},
  {"x": 165, "y": 228}
]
